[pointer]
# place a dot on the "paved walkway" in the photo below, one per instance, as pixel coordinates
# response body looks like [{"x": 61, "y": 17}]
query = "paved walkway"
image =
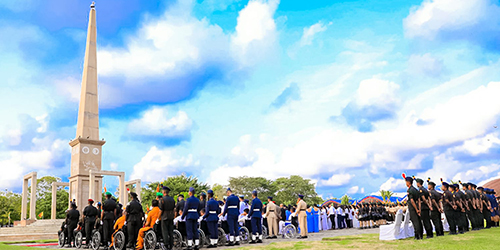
[{"x": 312, "y": 237}]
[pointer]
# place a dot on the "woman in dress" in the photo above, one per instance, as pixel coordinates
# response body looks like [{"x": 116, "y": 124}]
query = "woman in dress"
[
  {"x": 324, "y": 219},
  {"x": 310, "y": 221},
  {"x": 316, "y": 222}
]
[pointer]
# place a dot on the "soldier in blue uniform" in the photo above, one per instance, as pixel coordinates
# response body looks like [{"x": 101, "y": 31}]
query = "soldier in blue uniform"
[
  {"x": 191, "y": 215},
  {"x": 256, "y": 215},
  {"x": 232, "y": 210},
  {"x": 211, "y": 211}
]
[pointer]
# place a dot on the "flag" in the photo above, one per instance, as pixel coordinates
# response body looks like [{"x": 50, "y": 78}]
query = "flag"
[
  {"x": 40, "y": 215},
  {"x": 8, "y": 215},
  {"x": 158, "y": 188},
  {"x": 105, "y": 189}
]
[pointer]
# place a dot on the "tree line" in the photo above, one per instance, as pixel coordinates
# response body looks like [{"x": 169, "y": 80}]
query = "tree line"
[{"x": 283, "y": 190}]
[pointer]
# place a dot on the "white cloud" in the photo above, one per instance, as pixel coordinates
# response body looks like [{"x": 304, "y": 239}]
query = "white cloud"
[
  {"x": 479, "y": 145},
  {"x": 476, "y": 174},
  {"x": 473, "y": 20},
  {"x": 310, "y": 32},
  {"x": 170, "y": 57},
  {"x": 337, "y": 180},
  {"x": 377, "y": 92},
  {"x": 395, "y": 185},
  {"x": 356, "y": 190},
  {"x": 158, "y": 163},
  {"x": 425, "y": 64},
  {"x": 156, "y": 122}
]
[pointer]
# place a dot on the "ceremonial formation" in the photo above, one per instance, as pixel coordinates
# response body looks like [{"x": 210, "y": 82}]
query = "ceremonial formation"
[
  {"x": 191, "y": 224},
  {"x": 463, "y": 206}
]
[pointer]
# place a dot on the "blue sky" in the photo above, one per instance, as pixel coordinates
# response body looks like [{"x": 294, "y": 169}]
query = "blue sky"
[{"x": 347, "y": 93}]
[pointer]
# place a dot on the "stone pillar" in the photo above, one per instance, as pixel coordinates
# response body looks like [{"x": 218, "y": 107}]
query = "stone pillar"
[
  {"x": 53, "y": 210},
  {"x": 33, "y": 196},
  {"x": 138, "y": 189},
  {"x": 123, "y": 190},
  {"x": 91, "y": 186},
  {"x": 24, "y": 202}
]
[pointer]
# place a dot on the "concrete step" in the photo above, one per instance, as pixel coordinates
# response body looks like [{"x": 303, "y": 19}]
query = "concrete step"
[{"x": 28, "y": 237}]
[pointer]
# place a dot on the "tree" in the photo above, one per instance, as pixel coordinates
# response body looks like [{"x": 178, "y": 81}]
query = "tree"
[
  {"x": 245, "y": 185},
  {"x": 179, "y": 184},
  {"x": 344, "y": 200},
  {"x": 219, "y": 190},
  {"x": 288, "y": 189},
  {"x": 386, "y": 195},
  {"x": 44, "y": 198},
  {"x": 10, "y": 203}
]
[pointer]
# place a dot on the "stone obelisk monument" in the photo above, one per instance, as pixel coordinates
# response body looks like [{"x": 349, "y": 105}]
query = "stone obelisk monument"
[{"x": 86, "y": 147}]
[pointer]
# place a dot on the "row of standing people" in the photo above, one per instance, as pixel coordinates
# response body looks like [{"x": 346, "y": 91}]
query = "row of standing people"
[{"x": 470, "y": 207}]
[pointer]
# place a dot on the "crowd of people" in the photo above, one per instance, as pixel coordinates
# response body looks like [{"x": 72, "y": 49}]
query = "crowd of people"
[
  {"x": 473, "y": 207},
  {"x": 466, "y": 208}
]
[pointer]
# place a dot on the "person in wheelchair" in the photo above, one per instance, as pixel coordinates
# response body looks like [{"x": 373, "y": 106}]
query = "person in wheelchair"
[
  {"x": 153, "y": 217},
  {"x": 72, "y": 218},
  {"x": 180, "y": 224},
  {"x": 119, "y": 224}
]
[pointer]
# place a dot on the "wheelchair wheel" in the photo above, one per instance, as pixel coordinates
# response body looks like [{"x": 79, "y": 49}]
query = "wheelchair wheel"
[
  {"x": 150, "y": 240},
  {"x": 289, "y": 231},
  {"x": 61, "y": 239},
  {"x": 202, "y": 237},
  {"x": 177, "y": 240},
  {"x": 95, "y": 243},
  {"x": 222, "y": 237},
  {"x": 264, "y": 231},
  {"x": 119, "y": 241},
  {"x": 78, "y": 239},
  {"x": 244, "y": 235}
]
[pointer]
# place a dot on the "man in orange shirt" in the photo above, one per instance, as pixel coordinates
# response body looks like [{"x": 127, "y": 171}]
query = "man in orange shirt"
[
  {"x": 118, "y": 225},
  {"x": 153, "y": 216}
]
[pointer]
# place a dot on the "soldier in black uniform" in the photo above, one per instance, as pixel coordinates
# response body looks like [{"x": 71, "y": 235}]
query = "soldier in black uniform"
[
  {"x": 437, "y": 209},
  {"x": 425, "y": 208},
  {"x": 90, "y": 212},
  {"x": 135, "y": 214},
  {"x": 449, "y": 207},
  {"x": 414, "y": 208},
  {"x": 478, "y": 212},
  {"x": 468, "y": 207},
  {"x": 167, "y": 207},
  {"x": 72, "y": 218},
  {"x": 108, "y": 217},
  {"x": 180, "y": 204},
  {"x": 486, "y": 207},
  {"x": 460, "y": 208}
]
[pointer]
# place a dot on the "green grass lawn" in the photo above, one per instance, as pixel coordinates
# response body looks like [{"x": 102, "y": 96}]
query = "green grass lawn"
[
  {"x": 8, "y": 246},
  {"x": 484, "y": 239}
]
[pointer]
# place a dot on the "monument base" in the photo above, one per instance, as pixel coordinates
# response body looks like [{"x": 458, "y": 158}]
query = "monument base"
[{"x": 23, "y": 223}]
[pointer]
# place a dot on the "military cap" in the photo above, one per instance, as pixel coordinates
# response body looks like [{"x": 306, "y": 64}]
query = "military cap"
[
  {"x": 91, "y": 201},
  {"x": 210, "y": 191},
  {"x": 409, "y": 179},
  {"x": 269, "y": 197},
  {"x": 445, "y": 184},
  {"x": 228, "y": 189},
  {"x": 166, "y": 188},
  {"x": 254, "y": 192},
  {"x": 301, "y": 196},
  {"x": 480, "y": 188},
  {"x": 108, "y": 193},
  {"x": 159, "y": 194},
  {"x": 465, "y": 184},
  {"x": 420, "y": 181},
  {"x": 181, "y": 195},
  {"x": 241, "y": 196},
  {"x": 133, "y": 194},
  {"x": 191, "y": 190}
]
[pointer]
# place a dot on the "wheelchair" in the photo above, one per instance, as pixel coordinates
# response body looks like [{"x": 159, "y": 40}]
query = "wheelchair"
[
  {"x": 79, "y": 234},
  {"x": 61, "y": 238},
  {"x": 180, "y": 233},
  {"x": 264, "y": 231},
  {"x": 244, "y": 235},
  {"x": 153, "y": 238},
  {"x": 120, "y": 238},
  {"x": 289, "y": 231},
  {"x": 97, "y": 239}
]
